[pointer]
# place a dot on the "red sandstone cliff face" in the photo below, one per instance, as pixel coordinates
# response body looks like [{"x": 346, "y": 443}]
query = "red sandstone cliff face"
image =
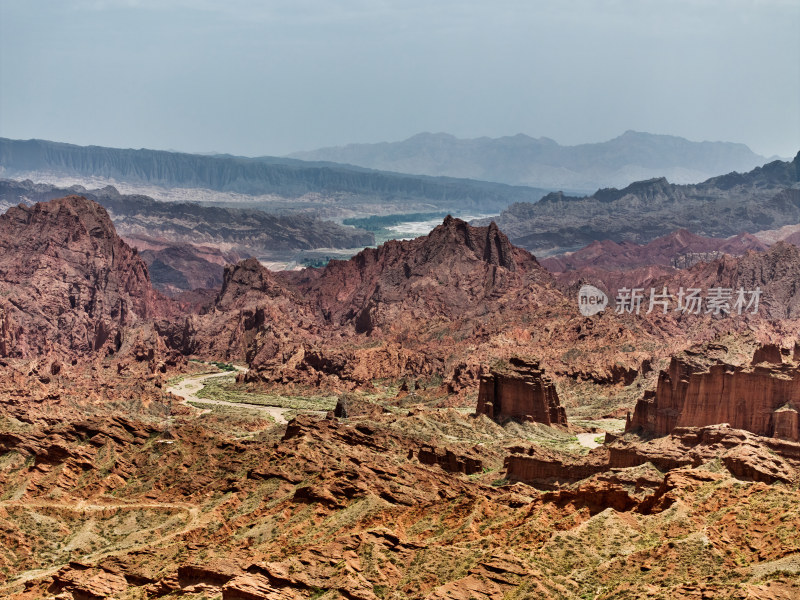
[
  {"x": 68, "y": 283},
  {"x": 522, "y": 391},
  {"x": 762, "y": 399}
]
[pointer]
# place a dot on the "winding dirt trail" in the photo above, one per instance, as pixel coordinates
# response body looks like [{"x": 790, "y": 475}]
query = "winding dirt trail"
[
  {"x": 587, "y": 440},
  {"x": 190, "y": 386}
]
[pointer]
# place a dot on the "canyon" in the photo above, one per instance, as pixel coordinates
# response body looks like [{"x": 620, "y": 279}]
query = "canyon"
[{"x": 436, "y": 392}]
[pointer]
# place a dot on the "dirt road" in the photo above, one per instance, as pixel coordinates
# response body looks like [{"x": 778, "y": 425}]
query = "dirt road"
[{"x": 190, "y": 386}]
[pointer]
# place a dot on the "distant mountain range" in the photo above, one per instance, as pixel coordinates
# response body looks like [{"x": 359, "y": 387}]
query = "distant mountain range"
[
  {"x": 541, "y": 162},
  {"x": 307, "y": 185},
  {"x": 767, "y": 197}
]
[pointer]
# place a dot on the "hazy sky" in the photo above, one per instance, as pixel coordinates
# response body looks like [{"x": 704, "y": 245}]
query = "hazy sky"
[{"x": 275, "y": 76}]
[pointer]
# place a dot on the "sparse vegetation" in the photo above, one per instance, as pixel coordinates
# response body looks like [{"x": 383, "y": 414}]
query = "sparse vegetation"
[{"x": 226, "y": 389}]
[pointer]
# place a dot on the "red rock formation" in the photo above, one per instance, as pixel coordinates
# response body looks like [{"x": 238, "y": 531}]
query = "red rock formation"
[
  {"x": 68, "y": 283},
  {"x": 297, "y": 326},
  {"x": 549, "y": 468},
  {"x": 692, "y": 393},
  {"x": 768, "y": 353},
  {"x": 83, "y": 581},
  {"x": 255, "y": 317},
  {"x": 775, "y": 272},
  {"x": 449, "y": 460},
  {"x": 521, "y": 391},
  {"x": 786, "y": 424},
  {"x": 455, "y": 271},
  {"x": 746, "y": 455},
  {"x": 181, "y": 267},
  {"x": 350, "y": 407}
]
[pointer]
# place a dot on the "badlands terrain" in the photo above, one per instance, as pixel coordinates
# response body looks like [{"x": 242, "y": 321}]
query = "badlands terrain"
[{"x": 432, "y": 418}]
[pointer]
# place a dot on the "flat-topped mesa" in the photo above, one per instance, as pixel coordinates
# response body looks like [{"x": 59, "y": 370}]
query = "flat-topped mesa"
[
  {"x": 521, "y": 391},
  {"x": 763, "y": 398}
]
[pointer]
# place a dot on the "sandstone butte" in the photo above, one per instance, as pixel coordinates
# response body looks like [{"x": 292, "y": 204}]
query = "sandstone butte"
[
  {"x": 763, "y": 398},
  {"x": 520, "y": 390}
]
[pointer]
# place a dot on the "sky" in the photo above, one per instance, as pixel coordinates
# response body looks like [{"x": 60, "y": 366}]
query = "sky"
[{"x": 271, "y": 77}]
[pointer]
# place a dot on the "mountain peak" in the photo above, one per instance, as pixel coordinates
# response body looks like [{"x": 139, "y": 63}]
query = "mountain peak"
[{"x": 485, "y": 243}]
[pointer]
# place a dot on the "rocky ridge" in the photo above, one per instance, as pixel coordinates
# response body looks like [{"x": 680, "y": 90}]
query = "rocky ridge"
[
  {"x": 764, "y": 198},
  {"x": 286, "y": 182},
  {"x": 231, "y": 229},
  {"x": 69, "y": 283}
]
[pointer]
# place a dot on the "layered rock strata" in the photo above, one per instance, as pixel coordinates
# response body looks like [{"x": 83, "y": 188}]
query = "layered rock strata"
[
  {"x": 762, "y": 398},
  {"x": 520, "y": 391}
]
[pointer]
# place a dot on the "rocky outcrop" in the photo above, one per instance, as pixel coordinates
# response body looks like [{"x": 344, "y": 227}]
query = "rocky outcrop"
[
  {"x": 693, "y": 393},
  {"x": 350, "y": 406},
  {"x": 769, "y": 353},
  {"x": 68, "y": 283},
  {"x": 744, "y": 454},
  {"x": 255, "y": 317},
  {"x": 256, "y": 587},
  {"x": 87, "y": 583},
  {"x": 786, "y": 424},
  {"x": 449, "y": 460},
  {"x": 549, "y": 468},
  {"x": 522, "y": 391}
]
